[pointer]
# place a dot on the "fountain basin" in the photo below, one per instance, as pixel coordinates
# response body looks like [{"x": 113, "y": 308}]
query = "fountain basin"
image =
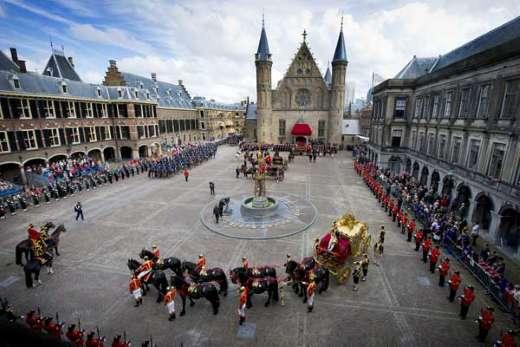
[{"x": 258, "y": 206}]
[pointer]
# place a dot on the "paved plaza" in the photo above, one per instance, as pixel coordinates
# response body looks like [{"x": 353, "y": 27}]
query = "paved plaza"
[{"x": 399, "y": 305}]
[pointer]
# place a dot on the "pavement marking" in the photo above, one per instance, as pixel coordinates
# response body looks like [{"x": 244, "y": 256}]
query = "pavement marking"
[
  {"x": 389, "y": 292},
  {"x": 8, "y": 281},
  {"x": 407, "y": 335}
]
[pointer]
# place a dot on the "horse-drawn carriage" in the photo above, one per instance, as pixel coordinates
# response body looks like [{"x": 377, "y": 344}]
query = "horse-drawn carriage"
[{"x": 347, "y": 238}]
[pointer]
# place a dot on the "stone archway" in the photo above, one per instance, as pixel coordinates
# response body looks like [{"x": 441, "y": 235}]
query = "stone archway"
[
  {"x": 155, "y": 149},
  {"x": 77, "y": 155},
  {"x": 424, "y": 176},
  {"x": 95, "y": 154},
  {"x": 126, "y": 152},
  {"x": 462, "y": 200},
  {"x": 109, "y": 153},
  {"x": 34, "y": 163},
  {"x": 10, "y": 171},
  {"x": 434, "y": 181},
  {"x": 394, "y": 164},
  {"x": 415, "y": 170},
  {"x": 447, "y": 186},
  {"x": 143, "y": 151},
  {"x": 509, "y": 228},
  {"x": 482, "y": 211},
  {"x": 57, "y": 157},
  {"x": 408, "y": 167}
]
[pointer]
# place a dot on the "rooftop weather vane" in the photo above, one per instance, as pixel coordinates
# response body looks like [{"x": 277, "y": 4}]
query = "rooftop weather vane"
[{"x": 304, "y": 35}]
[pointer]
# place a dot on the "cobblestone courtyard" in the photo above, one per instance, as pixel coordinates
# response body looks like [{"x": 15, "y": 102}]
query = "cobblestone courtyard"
[{"x": 399, "y": 305}]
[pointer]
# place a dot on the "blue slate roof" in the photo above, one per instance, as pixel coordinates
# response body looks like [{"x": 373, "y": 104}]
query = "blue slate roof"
[
  {"x": 504, "y": 33},
  {"x": 328, "y": 76},
  {"x": 59, "y": 66},
  {"x": 166, "y": 94},
  {"x": 200, "y": 101},
  {"x": 7, "y": 64},
  {"x": 340, "y": 54},
  {"x": 416, "y": 67},
  {"x": 251, "y": 112},
  {"x": 262, "y": 53}
]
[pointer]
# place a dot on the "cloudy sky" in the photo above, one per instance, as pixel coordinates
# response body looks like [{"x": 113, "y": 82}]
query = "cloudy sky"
[{"x": 210, "y": 44}]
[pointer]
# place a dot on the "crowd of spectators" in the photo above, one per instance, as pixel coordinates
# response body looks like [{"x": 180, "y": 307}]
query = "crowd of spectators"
[{"x": 444, "y": 218}]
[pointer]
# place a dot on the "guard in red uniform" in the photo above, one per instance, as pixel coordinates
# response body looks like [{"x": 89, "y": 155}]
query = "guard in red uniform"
[
  {"x": 156, "y": 252},
  {"x": 242, "y": 305},
  {"x": 443, "y": 271},
  {"x": 395, "y": 212},
  {"x": 94, "y": 341},
  {"x": 426, "y": 245},
  {"x": 169, "y": 302},
  {"x": 33, "y": 233},
  {"x": 418, "y": 239},
  {"x": 145, "y": 270},
  {"x": 201, "y": 265},
  {"x": 454, "y": 285},
  {"x": 485, "y": 321},
  {"x": 135, "y": 289},
  {"x": 311, "y": 290},
  {"x": 75, "y": 336},
  {"x": 411, "y": 229},
  {"x": 465, "y": 301},
  {"x": 390, "y": 207},
  {"x": 53, "y": 329},
  {"x": 245, "y": 263},
  {"x": 120, "y": 342},
  {"x": 399, "y": 216},
  {"x": 34, "y": 321},
  {"x": 434, "y": 257},
  {"x": 507, "y": 339},
  {"x": 404, "y": 222}
]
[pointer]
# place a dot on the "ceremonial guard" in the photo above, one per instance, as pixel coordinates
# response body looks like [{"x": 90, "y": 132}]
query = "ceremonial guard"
[
  {"x": 364, "y": 266},
  {"x": 169, "y": 302},
  {"x": 426, "y": 245},
  {"x": 311, "y": 291},
  {"x": 119, "y": 341},
  {"x": 75, "y": 336},
  {"x": 201, "y": 265},
  {"x": 465, "y": 301},
  {"x": 53, "y": 329},
  {"x": 145, "y": 269},
  {"x": 404, "y": 222},
  {"x": 93, "y": 340},
  {"x": 34, "y": 321},
  {"x": 507, "y": 339},
  {"x": 135, "y": 289},
  {"x": 434, "y": 257},
  {"x": 157, "y": 253},
  {"x": 443, "y": 271},
  {"x": 418, "y": 239},
  {"x": 395, "y": 212},
  {"x": 411, "y": 229},
  {"x": 242, "y": 305},
  {"x": 382, "y": 234},
  {"x": 356, "y": 274},
  {"x": 454, "y": 285},
  {"x": 245, "y": 263},
  {"x": 485, "y": 321},
  {"x": 390, "y": 207},
  {"x": 34, "y": 234}
]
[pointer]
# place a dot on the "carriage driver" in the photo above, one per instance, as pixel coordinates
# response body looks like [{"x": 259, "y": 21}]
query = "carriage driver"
[
  {"x": 145, "y": 269},
  {"x": 201, "y": 265}
]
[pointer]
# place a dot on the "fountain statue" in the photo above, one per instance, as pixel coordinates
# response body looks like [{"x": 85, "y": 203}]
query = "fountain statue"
[{"x": 259, "y": 204}]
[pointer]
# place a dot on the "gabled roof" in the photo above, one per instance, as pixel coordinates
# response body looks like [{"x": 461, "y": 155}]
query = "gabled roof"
[
  {"x": 504, "y": 33},
  {"x": 7, "y": 64},
  {"x": 328, "y": 76},
  {"x": 59, "y": 66},
  {"x": 262, "y": 53},
  {"x": 340, "y": 54},
  {"x": 416, "y": 67}
]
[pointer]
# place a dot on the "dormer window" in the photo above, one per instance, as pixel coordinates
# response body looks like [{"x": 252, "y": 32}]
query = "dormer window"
[
  {"x": 98, "y": 91},
  {"x": 64, "y": 88},
  {"x": 141, "y": 85},
  {"x": 16, "y": 83},
  {"x": 136, "y": 94},
  {"x": 147, "y": 95},
  {"x": 119, "y": 93}
]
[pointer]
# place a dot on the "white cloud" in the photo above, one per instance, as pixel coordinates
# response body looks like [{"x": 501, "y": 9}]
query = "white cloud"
[{"x": 2, "y": 11}]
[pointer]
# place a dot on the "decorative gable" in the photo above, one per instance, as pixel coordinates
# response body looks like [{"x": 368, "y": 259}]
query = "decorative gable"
[{"x": 303, "y": 64}]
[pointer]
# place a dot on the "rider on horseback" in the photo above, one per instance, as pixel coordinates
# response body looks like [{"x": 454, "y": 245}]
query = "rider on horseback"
[
  {"x": 34, "y": 234},
  {"x": 245, "y": 263},
  {"x": 157, "y": 253},
  {"x": 145, "y": 270},
  {"x": 201, "y": 266}
]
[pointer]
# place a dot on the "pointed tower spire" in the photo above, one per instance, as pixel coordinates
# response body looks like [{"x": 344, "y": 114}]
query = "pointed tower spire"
[
  {"x": 340, "y": 54},
  {"x": 262, "y": 52},
  {"x": 328, "y": 75}
]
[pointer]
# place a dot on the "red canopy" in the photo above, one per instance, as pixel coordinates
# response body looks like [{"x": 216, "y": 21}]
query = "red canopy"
[{"x": 301, "y": 129}]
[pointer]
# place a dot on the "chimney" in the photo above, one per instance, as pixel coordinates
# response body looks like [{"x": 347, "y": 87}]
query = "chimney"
[
  {"x": 71, "y": 62},
  {"x": 21, "y": 65},
  {"x": 154, "y": 76},
  {"x": 14, "y": 55},
  {"x": 180, "y": 82},
  {"x": 112, "y": 63}
]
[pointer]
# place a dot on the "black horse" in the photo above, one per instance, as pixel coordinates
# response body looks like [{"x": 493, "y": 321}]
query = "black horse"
[
  {"x": 196, "y": 291},
  {"x": 255, "y": 285},
  {"x": 171, "y": 263},
  {"x": 299, "y": 274},
  {"x": 51, "y": 242},
  {"x": 215, "y": 274},
  {"x": 157, "y": 278}
]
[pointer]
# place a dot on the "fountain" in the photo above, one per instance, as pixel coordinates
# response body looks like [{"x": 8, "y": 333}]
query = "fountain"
[{"x": 259, "y": 204}]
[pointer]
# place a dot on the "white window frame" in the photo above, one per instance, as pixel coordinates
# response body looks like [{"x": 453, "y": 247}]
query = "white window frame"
[
  {"x": 493, "y": 147},
  {"x": 55, "y": 135},
  {"x": 143, "y": 136},
  {"x": 75, "y": 136},
  {"x": 4, "y": 140},
  {"x": 29, "y": 140},
  {"x": 64, "y": 88},
  {"x": 449, "y": 102},
  {"x": 98, "y": 92},
  {"x": 92, "y": 137},
  {"x": 435, "y": 110},
  {"x": 108, "y": 133},
  {"x": 441, "y": 150},
  {"x": 119, "y": 93},
  {"x": 456, "y": 140},
  {"x": 50, "y": 110},
  {"x": 484, "y": 93},
  {"x": 90, "y": 111},
  {"x": 25, "y": 107},
  {"x": 104, "y": 111},
  {"x": 16, "y": 80},
  {"x": 71, "y": 109},
  {"x": 465, "y": 94},
  {"x": 471, "y": 142}
]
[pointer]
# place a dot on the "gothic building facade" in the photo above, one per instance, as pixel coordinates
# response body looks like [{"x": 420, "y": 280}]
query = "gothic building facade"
[
  {"x": 453, "y": 123},
  {"x": 305, "y": 105}
]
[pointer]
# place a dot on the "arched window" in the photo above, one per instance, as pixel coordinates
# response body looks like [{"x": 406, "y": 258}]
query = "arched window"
[{"x": 303, "y": 97}]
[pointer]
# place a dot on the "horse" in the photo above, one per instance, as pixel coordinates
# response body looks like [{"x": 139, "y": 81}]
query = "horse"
[
  {"x": 196, "y": 291},
  {"x": 215, "y": 274},
  {"x": 157, "y": 278},
  {"x": 171, "y": 263},
  {"x": 25, "y": 246},
  {"x": 255, "y": 285},
  {"x": 299, "y": 274}
]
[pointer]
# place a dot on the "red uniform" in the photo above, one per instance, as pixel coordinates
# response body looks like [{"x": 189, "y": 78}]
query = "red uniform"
[
  {"x": 467, "y": 297},
  {"x": 156, "y": 252},
  {"x": 455, "y": 281},
  {"x": 170, "y": 296},
  {"x": 147, "y": 266},
  {"x": 507, "y": 340},
  {"x": 53, "y": 329},
  {"x": 486, "y": 319},
  {"x": 119, "y": 342},
  {"x": 134, "y": 284},
  {"x": 444, "y": 268},
  {"x": 76, "y": 337},
  {"x": 201, "y": 263},
  {"x": 434, "y": 255},
  {"x": 94, "y": 342},
  {"x": 411, "y": 226},
  {"x": 34, "y": 234},
  {"x": 34, "y": 321}
]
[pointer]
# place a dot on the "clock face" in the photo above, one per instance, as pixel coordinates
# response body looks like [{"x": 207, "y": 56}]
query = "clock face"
[{"x": 303, "y": 97}]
